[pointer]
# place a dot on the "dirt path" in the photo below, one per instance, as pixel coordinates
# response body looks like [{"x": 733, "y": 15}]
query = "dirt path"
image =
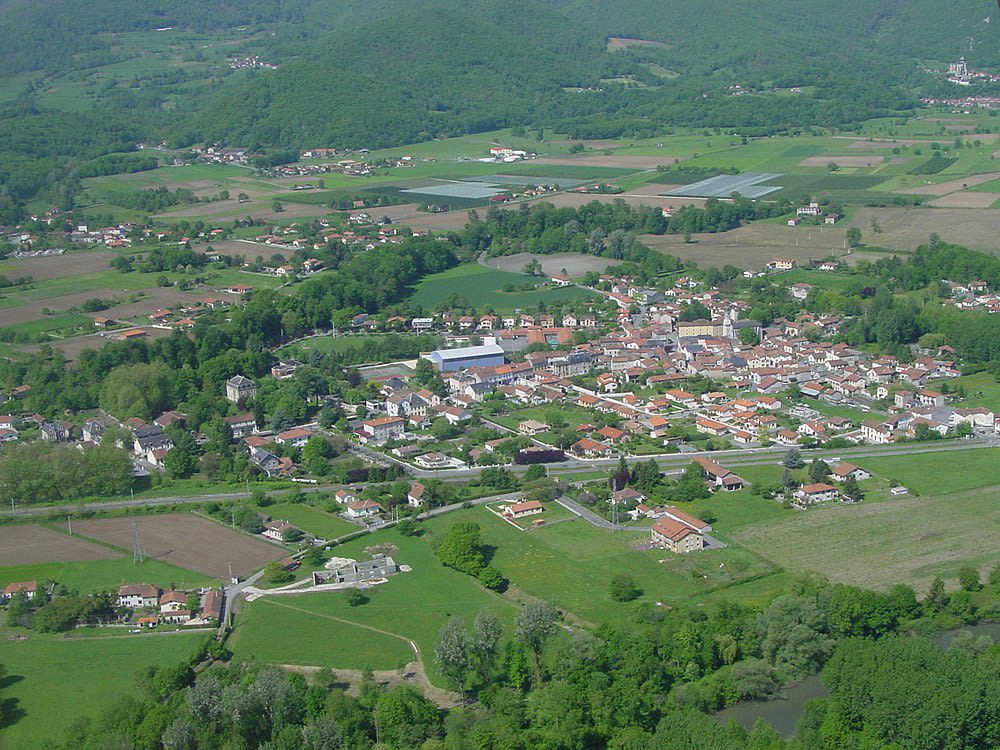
[{"x": 410, "y": 674}]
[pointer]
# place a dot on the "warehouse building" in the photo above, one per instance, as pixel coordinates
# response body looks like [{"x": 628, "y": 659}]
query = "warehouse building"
[{"x": 452, "y": 360}]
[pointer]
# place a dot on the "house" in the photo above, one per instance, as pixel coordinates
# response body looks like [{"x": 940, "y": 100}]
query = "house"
[
  {"x": 719, "y": 475},
  {"x": 520, "y": 510},
  {"x": 687, "y": 519},
  {"x": 29, "y": 588},
  {"x": 710, "y": 426},
  {"x": 295, "y": 437},
  {"x": 532, "y": 427},
  {"x": 383, "y": 428},
  {"x": 285, "y": 369},
  {"x": 8, "y": 435},
  {"x": 810, "y": 494},
  {"x": 176, "y": 616},
  {"x": 211, "y": 605},
  {"x": 800, "y": 291},
  {"x": 781, "y": 264},
  {"x": 172, "y": 601},
  {"x": 415, "y": 495},
  {"x": 842, "y": 471},
  {"x": 240, "y": 389},
  {"x": 875, "y": 433},
  {"x": 138, "y": 596},
  {"x": 627, "y": 495},
  {"x": 561, "y": 280},
  {"x": 591, "y": 448},
  {"x": 612, "y": 435},
  {"x": 363, "y": 509},
  {"x": 241, "y": 425},
  {"x": 275, "y": 530},
  {"x": 670, "y": 534},
  {"x": 345, "y": 497},
  {"x": 831, "y": 218}
]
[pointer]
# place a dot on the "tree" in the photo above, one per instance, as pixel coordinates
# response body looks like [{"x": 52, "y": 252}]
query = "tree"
[
  {"x": 818, "y": 470},
  {"x": 460, "y": 548},
  {"x": 852, "y": 490},
  {"x": 404, "y": 719},
  {"x": 793, "y": 459},
  {"x": 535, "y": 472},
  {"x": 853, "y": 237},
  {"x": 274, "y": 572},
  {"x": 409, "y": 527},
  {"x": 452, "y": 653},
  {"x": 534, "y": 626},
  {"x": 623, "y": 588},
  {"x": 532, "y": 268},
  {"x": 484, "y": 644},
  {"x": 968, "y": 578},
  {"x": 936, "y": 599}
]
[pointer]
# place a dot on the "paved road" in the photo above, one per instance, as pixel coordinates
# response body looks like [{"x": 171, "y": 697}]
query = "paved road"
[
  {"x": 588, "y": 515},
  {"x": 731, "y": 458}
]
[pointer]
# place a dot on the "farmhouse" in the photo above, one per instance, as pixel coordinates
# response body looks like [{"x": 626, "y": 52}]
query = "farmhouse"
[
  {"x": 172, "y": 601},
  {"x": 11, "y": 589},
  {"x": 138, "y": 596},
  {"x": 670, "y": 534},
  {"x": 275, "y": 530},
  {"x": 520, "y": 510}
]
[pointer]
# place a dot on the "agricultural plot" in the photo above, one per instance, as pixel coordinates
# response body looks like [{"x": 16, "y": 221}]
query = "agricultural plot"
[
  {"x": 310, "y": 519},
  {"x": 45, "y": 703},
  {"x": 105, "y": 575},
  {"x": 940, "y": 473},
  {"x": 25, "y": 545},
  {"x": 485, "y": 287},
  {"x": 749, "y": 185},
  {"x": 876, "y": 545},
  {"x": 575, "y": 264},
  {"x": 187, "y": 541},
  {"x": 377, "y": 634}
]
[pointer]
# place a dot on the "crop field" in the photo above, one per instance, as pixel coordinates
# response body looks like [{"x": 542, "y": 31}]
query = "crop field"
[
  {"x": 575, "y": 264},
  {"x": 876, "y": 545},
  {"x": 310, "y": 519},
  {"x": 45, "y": 703},
  {"x": 321, "y": 629},
  {"x": 749, "y": 184},
  {"x": 25, "y": 545},
  {"x": 485, "y": 287},
  {"x": 187, "y": 541}
]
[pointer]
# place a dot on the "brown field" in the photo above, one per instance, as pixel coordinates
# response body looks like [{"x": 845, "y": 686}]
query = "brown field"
[
  {"x": 623, "y": 161},
  {"x": 862, "y": 143},
  {"x": 951, "y": 186},
  {"x": 58, "y": 266},
  {"x": 576, "y": 264},
  {"x": 71, "y": 348},
  {"x": 598, "y": 144},
  {"x": 900, "y": 160},
  {"x": 258, "y": 209},
  {"x": 906, "y": 228},
  {"x": 960, "y": 128},
  {"x": 250, "y": 250},
  {"x": 966, "y": 199},
  {"x": 621, "y": 42},
  {"x": 752, "y": 246},
  {"x": 29, "y": 545},
  {"x": 187, "y": 541},
  {"x": 841, "y": 161}
]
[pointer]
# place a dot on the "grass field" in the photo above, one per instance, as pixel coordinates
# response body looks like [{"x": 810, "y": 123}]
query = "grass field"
[
  {"x": 323, "y": 630},
  {"x": 46, "y": 702},
  {"x": 483, "y": 287},
  {"x": 105, "y": 575},
  {"x": 338, "y": 344},
  {"x": 569, "y": 564},
  {"x": 940, "y": 473},
  {"x": 907, "y": 540},
  {"x": 837, "y": 282},
  {"x": 310, "y": 519},
  {"x": 981, "y": 389}
]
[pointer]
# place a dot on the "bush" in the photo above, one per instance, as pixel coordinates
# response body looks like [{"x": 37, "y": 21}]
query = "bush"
[
  {"x": 275, "y": 573},
  {"x": 355, "y": 598},
  {"x": 623, "y": 588}
]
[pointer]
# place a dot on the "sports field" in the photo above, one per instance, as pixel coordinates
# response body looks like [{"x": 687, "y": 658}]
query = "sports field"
[
  {"x": 484, "y": 287},
  {"x": 904, "y": 540},
  {"x": 43, "y": 703}
]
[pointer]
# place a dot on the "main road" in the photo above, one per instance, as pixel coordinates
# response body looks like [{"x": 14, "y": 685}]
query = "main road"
[{"x": 572, "y": 466}]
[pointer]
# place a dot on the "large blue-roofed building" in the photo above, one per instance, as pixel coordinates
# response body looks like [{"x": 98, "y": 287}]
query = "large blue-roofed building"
[{"x": 451, "y": 360}]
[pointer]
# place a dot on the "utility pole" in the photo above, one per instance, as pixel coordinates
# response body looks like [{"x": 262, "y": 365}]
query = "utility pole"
[{"x": 69, "y": 520}]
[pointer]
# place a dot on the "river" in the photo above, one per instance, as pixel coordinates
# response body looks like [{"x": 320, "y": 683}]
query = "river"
[{"x": 783, "y": 712}]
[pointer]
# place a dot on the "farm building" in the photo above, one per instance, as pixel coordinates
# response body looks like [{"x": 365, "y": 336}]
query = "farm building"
[{"x": 450, "y": 360}]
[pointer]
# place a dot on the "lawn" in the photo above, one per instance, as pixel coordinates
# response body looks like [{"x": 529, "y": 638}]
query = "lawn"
[
  {"x": 55, "y": 682},
  {"x": 570, "y": 564},
  {"x": 837, "y": 282},
  {"x": 321, "y": 629},
  {"x": 940, "y": 473},
  {"x": 903, "y": 540},
  {"x": 105, "y": 575},
  {"x": 483, "y": 287},
  {"x": 310, "y": 519}
]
